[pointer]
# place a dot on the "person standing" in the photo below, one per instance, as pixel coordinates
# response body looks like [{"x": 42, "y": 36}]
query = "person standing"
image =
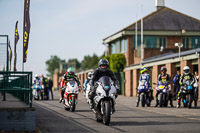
[
  {"x": 50, "y": 85},
  {"x": 196, "y": 87},
  {"x": 176, "y": 83},
  {"x": 45, "y": 85}
]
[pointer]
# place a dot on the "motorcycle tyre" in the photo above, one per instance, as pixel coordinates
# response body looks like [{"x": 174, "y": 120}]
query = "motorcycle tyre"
[
  {"x": 143, "y": 100},
  {"x": 73, "y": 105},
  {"x": 190, "y": 99},
  {"x": 161, "y": 100},
  {"x": 107, "y": 113}
]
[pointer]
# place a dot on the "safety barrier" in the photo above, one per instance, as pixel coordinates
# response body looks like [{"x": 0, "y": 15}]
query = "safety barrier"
[{"x": 18, "y": 84}]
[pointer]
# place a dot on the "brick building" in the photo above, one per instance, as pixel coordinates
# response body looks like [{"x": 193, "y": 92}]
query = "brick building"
[{"x": 161, "y": 30}]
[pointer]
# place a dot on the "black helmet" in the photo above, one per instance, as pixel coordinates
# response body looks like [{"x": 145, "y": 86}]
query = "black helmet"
[
  {"x": 103, "y": 62},
  {"x": 163, "y": 69}
]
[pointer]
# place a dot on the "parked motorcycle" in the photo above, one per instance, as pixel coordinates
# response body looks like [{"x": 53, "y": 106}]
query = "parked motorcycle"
[
  {"x": 104, "y": 100},
  {"x": 71, "y": 96},
  {"x": 144, "y": 93},
  {"x": 163, "y": 94},
  {"x": 187, "y": 94}
]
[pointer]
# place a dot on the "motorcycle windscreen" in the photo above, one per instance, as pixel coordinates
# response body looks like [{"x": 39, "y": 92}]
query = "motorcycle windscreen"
[
  {"x": 72, "y": 83},
  {"x": 105, "y": 82}
]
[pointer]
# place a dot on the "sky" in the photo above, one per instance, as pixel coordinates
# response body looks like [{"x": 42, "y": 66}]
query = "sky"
[{"x": 75, "y": 28}]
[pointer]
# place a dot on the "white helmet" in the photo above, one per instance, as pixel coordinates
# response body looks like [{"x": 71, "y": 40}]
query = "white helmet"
[
  {"x": 90, "y": 75},
  {"x": 36, "y": 75},
  {"x": 186, "y": 70}
]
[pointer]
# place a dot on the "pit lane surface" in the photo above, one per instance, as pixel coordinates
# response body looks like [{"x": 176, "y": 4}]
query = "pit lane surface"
[{"x": 51, "y": 117}]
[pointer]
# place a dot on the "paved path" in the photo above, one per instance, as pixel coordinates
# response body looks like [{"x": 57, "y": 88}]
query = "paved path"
[{"x": 51, "y": 117}]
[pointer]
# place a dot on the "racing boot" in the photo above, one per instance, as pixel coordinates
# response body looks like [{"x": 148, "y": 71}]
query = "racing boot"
[
  {"x": 137, "y": 101},
  {"x": 195, "y": 103},
  {"x": 91, "y": 97},
  {"x": 157, "y": 102},
  {"x": 60, "y": 100},
  {"x": 179, "y": 103}
]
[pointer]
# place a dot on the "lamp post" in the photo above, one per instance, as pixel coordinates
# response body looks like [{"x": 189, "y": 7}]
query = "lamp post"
[{"x": 179, "y": 45}]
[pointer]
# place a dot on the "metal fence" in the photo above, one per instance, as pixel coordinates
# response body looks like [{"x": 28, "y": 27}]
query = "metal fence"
[{"x": 18, "y": 84}]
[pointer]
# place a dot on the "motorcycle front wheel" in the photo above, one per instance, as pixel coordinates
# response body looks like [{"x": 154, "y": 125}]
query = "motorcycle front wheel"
[
  {"x": 190, "y": 99},
  {"x": 73, "y": 105},
  {"x": 107, "y": 112}
]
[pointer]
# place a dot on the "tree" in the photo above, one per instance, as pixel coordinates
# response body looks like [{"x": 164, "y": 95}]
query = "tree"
[
  {"x": 74, "y": 63},
  {"x": 117, "y": 62},
  {"x": 52, "y": 64},
  {"x": 90, "y": 62}
]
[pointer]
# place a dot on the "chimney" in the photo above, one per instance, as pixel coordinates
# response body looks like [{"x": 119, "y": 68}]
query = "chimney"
[{"x": 159, "y": 4}]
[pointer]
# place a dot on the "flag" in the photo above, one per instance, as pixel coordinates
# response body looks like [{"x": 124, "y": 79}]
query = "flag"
[
  {"x": 26, "y": 30},
  {"x": 15, "y": 51},
  {"x": 10, "y": 54}
]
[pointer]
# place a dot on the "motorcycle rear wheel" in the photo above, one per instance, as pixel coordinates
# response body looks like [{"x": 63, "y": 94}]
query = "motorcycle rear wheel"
[
  {"x": 161, "y": 100},
  {"x": 143, "y": 100}
]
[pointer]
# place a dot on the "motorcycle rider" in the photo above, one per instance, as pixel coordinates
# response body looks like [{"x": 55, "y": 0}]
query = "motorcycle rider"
[
  {"x": 89, "y": 77},
  {"x": 164, "y": 78},
  {"x": 144, "y": 77},
  {"x": 37, "y": 80},
  {"x": 68, "y": 76},
  {"x": 102, "y": 70},
  {"x": 184, "y": 77},
  {"x": 36, "y": 83},
  {"x": 45, "y": 85}
]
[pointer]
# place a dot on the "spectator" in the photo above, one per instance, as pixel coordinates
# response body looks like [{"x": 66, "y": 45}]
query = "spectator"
[
  {"x": 50, "y": 85},
  {"x": 176, "y": 83},
  {"x": 196, "y": 86}
]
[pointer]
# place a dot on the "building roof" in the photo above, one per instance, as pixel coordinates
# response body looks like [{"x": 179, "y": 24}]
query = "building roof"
[
  {"x": 164, "y": 19},
  {"x": 167, "y": 19}
]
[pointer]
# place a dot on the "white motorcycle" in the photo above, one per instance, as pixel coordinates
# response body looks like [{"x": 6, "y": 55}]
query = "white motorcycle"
[
  {"x": 71, "y": 95},
  {"x": 104, "y": 100}
]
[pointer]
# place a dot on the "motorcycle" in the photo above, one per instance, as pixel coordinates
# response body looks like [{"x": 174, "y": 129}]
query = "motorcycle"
[
  {"x": 187, "y": 94},
  {"x": 163, "y": 97},
  {"x": 143, "y": 91},
  {"x": 71, "y": 95},
  {"x": 104, "y": 100}
]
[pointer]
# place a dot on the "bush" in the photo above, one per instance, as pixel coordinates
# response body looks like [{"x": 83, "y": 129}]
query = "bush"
[{"x": 117, "y": 62}]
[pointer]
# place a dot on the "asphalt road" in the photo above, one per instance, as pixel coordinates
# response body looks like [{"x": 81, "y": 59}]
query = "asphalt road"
[{"x": 51, "y": 117}]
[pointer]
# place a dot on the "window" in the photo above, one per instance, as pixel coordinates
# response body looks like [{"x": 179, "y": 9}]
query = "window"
[
  {"x": 113, "y": 48},
  {"x": 123, "y": 45},
  {"x": 119, "y": 46},
  {"x": 149, "y": 41},
  {"x": 195, "y": 42},
  {"x": 162, "y": 42},
  {"x": 186, "y": 42}
]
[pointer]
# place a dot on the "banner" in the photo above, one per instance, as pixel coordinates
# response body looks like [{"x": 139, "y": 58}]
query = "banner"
[
  {"x": 10, "y": 54},
  {"x": 26, "y": 30},
  {"x": 15, "y": 51}
]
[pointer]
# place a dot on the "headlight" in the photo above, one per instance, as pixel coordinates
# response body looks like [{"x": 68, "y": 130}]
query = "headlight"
[{"x": 113, "y": 94}]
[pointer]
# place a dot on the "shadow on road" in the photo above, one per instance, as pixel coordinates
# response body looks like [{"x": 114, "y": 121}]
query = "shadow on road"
[{"x": 149, "y": 123}]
